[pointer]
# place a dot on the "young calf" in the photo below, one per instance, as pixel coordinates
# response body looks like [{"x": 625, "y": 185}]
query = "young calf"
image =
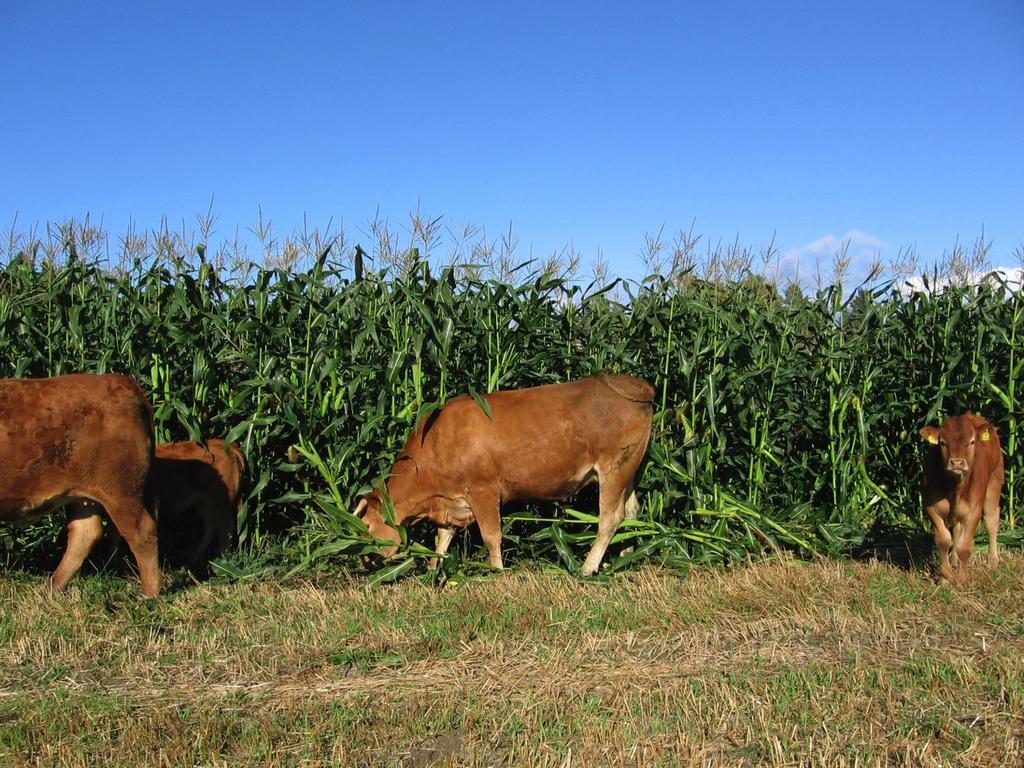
[{"x": 963, "y": 477}]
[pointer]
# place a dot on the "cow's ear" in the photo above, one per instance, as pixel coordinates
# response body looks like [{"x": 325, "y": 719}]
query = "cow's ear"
[
  {"x": 930, "y": 435},
  {"x": 984, "y": 430}
]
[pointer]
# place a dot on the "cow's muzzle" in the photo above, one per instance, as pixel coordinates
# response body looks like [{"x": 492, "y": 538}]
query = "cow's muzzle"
[{"x": 957, "y": 467}]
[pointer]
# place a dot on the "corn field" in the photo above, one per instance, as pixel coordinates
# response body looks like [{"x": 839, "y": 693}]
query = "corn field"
[{"x": 783, "y": 420}]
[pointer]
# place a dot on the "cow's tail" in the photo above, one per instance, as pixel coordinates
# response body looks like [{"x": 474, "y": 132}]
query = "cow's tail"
[
  {"x": 139, "y": 406},
  {"x": 144, "y": 412},
  {"x": 150, "y": 499}
]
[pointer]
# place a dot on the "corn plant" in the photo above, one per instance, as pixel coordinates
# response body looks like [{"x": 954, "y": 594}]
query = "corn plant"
[{"x": 782, "y": 420}]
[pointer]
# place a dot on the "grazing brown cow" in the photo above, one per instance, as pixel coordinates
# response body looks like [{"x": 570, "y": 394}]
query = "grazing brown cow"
[
  {"x": 963, "y": 476},
  {"x": 197, "y": 488},
  {"x": 544, "y": 443},
  {"x": 72, "y": 440}
]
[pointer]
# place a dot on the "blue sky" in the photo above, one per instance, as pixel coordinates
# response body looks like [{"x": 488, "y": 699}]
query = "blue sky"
[{"x": 891, "y": 124}]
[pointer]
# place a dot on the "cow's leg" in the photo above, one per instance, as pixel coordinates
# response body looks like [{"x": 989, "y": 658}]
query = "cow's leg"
[
  {"x": 485, "y": 505},
  {"x": 85, "y": 528},
  {"x": 943, "y": 538},
  {"x": 445, "y": 534},
  {"x": 138, "y": 528},
  {"x": 612, "y": 501},
  {"x": 965, "y": 542},
  {"x": 632, "y": 506},
  {"x": 632, "y": 510},
  {"x": 958, "y": 532},
  {"x": 992, "y": 522}
]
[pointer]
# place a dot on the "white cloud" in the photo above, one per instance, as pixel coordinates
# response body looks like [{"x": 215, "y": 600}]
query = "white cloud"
[
  {"x": 1013, "y": 277},
  {"x": 806, "y": 263}
]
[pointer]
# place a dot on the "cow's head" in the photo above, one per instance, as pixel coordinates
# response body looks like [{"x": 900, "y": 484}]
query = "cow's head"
[
  {"x": 370, "y": 509},
  {"x": 956, "y": 439}
]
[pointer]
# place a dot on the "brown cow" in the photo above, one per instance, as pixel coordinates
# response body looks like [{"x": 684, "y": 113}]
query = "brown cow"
[
  {"x": 73, "y": 439},
  {"x": 963, "y": 476},
  {"x": 544, "y": 443},
  {"x": 197, "y": 485},
  {"x": 196, "y": 488}
]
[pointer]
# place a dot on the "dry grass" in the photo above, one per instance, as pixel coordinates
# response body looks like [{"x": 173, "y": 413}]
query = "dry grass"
[{"x": 774, "y": 663}]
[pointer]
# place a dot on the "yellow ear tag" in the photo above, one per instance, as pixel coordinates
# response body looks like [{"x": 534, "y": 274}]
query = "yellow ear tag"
[
  {"x": 933, "y": 439},
  {"x": 986, "y": 435}
]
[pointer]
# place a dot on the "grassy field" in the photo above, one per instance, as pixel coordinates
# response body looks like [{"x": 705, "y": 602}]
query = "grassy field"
[
  {"x": 776, "y": 662},
  {"x": 786, "y": 424}
]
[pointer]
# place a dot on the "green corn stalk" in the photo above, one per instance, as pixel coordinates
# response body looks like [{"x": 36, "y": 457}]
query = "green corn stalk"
[{"x": 781, "y": 421}]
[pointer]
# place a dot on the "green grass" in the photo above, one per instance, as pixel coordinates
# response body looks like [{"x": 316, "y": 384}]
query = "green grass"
[{"x": 778, "y": 662}]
